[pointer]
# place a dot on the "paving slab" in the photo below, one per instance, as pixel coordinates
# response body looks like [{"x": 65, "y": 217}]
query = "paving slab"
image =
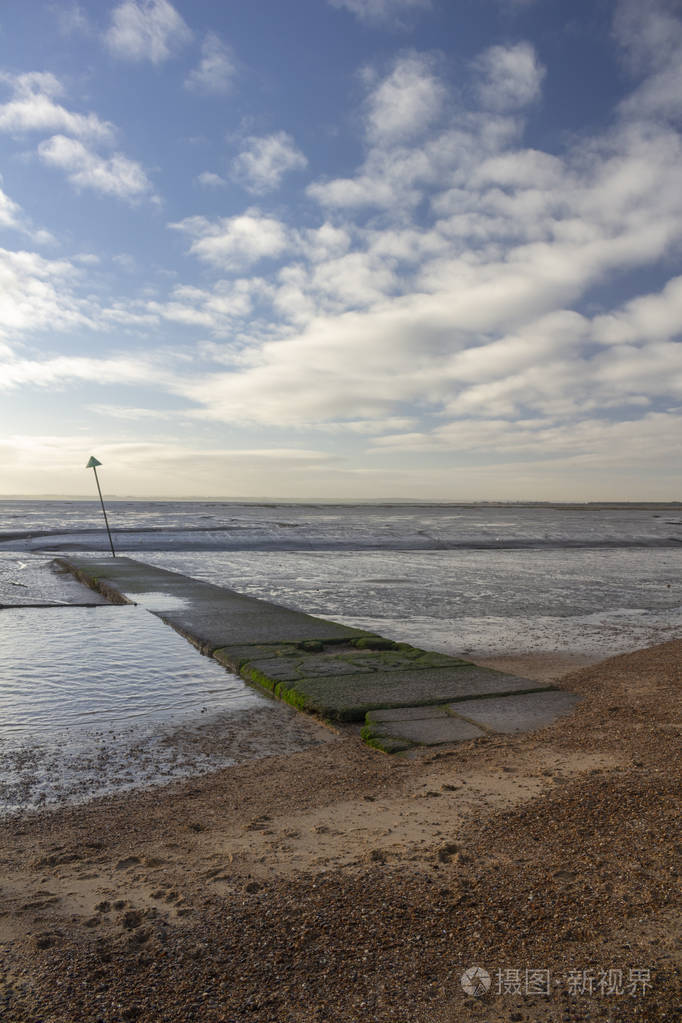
[
  {"x": 349, "y": 697},
  {"x": 340, "y": 658},
  {"x": 521, "y": 713},
  {"x": 425, "y": 732},
  {"x": 398, "y": 714},
  {"x": 233, "y": 657}
]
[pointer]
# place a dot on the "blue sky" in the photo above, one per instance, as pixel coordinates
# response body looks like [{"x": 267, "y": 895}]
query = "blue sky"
[{"x": 342, "y": 248}]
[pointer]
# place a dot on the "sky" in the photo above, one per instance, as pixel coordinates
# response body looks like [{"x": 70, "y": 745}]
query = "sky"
[{"x": 372, "y": 249}]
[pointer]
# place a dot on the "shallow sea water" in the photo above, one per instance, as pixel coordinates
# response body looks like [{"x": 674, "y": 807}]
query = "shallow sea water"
[
  {"x": 479, "y": 603},
  {"x": 86, "y": 686},
  {"x": 72, "y": 667}
]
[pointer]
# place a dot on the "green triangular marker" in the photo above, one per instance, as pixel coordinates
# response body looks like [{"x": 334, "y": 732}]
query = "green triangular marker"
[{"x": 92, "y": 464}]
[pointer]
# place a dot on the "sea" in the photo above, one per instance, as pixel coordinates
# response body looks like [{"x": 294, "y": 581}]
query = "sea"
[{"x": 99, "y": 699}]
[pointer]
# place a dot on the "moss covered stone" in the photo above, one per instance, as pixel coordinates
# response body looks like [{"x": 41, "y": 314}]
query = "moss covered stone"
[{"x": 375, "y": 643}]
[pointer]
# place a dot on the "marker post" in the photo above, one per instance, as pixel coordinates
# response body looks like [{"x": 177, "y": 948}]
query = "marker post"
[{"x": 92, "y": 464}]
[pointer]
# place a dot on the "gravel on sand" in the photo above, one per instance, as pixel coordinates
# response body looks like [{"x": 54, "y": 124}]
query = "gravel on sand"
[{"x": 339, "y": 884}]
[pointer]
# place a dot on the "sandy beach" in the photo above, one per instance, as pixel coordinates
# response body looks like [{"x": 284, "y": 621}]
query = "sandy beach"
[{"x": 338, "y": 883}]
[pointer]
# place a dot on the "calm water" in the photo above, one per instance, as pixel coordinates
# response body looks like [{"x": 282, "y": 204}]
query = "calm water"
[{"x": 116, "y": 664}]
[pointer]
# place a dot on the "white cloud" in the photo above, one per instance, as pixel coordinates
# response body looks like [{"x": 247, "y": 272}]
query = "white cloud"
[
  {"x": 86, "y": 259},
  {"x": 651, "y": 37},
  {"x": 33, "y": 109},
  {"x": 261, "y": 166},
  {"x": 406, "y": 103},
  {"x": 365, "y": 190},
  {"x": 218, "y": 309},
  {"x": 10, "y": 212},
  {"x": 408, "y": 158},
  {"x": 292, "y": 299},
  {"x": 352, "y": 281},
  {"x": 115, "y": 175},
  {"x": 132, "y": 413},
  {"x": 511, "y": 76},
  {"x": 381, "y": 10},
  {"x": 487, "y": 321},
  {"x": 649, "y": 32},
  {"x": 126, "y": 314},
  {"x": 327, "y": 241},
  {"x": 526, "y": 168},
  {"x": 369, "y": 427},
  {"x": 597, "y": 442},
  {"x": 655, "y": 317},
  {"x": 211, "y": 180},
  {"x": 146, "y": 30},
  {"x": 216, "y": 71},
  {"x": 362, "y": 364},
  {"x": 55, "y": 371},
  {"x": 37, "y": 293},
  {"x": 233, "y": 242}
]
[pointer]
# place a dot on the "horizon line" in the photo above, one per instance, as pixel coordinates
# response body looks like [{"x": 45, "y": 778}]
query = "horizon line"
[{"x": 251, "y": 499}]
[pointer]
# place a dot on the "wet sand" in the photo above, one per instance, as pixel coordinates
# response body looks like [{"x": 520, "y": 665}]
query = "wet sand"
[{"x": 340, "y": 884}]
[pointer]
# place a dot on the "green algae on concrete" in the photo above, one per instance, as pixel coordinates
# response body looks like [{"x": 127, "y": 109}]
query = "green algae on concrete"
[
  {"x": 292, "y": 663},
  {"x": 348, "y": 697},
  {"x": 321, "y": 667},
  {"x": 342, "y": 681}
]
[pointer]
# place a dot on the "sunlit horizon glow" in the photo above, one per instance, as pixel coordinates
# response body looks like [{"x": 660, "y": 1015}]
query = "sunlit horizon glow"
[{"x": 342, "y": 249}]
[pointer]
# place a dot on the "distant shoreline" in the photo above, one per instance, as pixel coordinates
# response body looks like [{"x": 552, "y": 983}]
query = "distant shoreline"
[{"x": 388, "y": 502}]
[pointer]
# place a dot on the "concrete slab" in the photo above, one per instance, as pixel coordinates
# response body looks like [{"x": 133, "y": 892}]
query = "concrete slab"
[
  {"x": 233, "y": 657},
  {"x": 291, "y": 669},
  {"x": 288, "y": 664},
  {"x": 427, "y": 732},
  {"x": 349, "y": 697},
  {"x": 522, "y": 713},
  {"x": 399, "y": 714},
  {"x": 211, "y": 624}
]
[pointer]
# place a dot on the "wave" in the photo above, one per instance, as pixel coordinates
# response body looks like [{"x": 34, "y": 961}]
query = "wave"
[{"x": 244, "y": 538}]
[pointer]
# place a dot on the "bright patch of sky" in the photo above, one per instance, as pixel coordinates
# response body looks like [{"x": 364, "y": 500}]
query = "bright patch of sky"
[{"x": 342, "y": 248}]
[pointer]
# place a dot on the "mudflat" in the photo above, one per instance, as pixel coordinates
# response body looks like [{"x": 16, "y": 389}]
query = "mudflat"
[{"x": 341, "y": 884}]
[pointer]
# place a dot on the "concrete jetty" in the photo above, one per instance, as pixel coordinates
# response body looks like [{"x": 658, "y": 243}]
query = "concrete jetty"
[{"x": 404, "y": 697}]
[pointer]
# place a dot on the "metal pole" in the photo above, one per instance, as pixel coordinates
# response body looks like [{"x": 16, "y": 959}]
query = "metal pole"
[{"x": 106, "y": 521}]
